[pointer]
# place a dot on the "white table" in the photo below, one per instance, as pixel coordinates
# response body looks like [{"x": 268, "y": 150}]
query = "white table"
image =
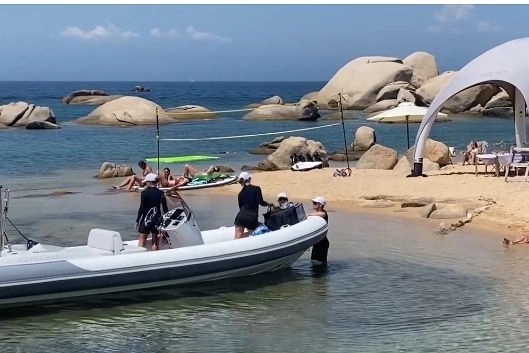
[{"x": 496, "y": 160}]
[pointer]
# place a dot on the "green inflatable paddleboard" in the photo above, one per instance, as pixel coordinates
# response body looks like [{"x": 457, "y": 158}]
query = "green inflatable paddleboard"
[{"x": 181, "y": 159}]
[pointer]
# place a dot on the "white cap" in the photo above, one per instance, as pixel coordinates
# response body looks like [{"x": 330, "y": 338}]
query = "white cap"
[
  {"x": 151, "y": 177},
  {"x": 282, "y": 195},
  {"x": 320, "y": 200},
  {"x": 244, "y": 176}
]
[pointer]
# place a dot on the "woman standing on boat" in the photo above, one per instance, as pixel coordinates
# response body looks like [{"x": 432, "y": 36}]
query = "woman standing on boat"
[{"x": 250, "y": 197}]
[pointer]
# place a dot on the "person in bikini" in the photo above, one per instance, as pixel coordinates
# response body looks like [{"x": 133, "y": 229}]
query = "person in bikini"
[{"x": 189, "y": 173}]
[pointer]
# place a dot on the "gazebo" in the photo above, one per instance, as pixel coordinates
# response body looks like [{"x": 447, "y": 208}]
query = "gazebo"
[{"x": 507, "y": 66}]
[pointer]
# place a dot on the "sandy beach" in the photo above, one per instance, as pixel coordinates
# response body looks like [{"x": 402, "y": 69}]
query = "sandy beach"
[{"x": 492, "y": 203}]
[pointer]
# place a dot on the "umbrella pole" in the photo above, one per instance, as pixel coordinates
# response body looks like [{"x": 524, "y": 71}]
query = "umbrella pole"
[
  {"x": 158, "y": 139},
  {"x": 343, "y": 129},
  {"x": 407, "y": 132}
]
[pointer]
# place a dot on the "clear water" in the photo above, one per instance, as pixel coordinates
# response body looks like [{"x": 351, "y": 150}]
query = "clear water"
[{"x": 391, "y": 285}]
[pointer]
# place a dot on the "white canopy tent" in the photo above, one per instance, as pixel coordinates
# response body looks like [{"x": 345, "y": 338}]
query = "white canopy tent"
[{"x": 507, "y": 66}]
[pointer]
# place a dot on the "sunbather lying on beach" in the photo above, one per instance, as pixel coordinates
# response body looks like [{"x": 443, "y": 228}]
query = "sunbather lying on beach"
[
  {"x": 522, "y": 240},
  {"x": 190, "y": 171}
]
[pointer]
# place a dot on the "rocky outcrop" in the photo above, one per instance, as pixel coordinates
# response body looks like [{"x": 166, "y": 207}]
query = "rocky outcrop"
[
  {"x": 500, "y": 105},
  {"x": 364, "y": 138},
  {"x": 435, "y": 151},
  {"x": 405, "y": 165},
  {"x": 382, "y": 105},
  {"x": 360, "y": 80},
  {"x": 41, "y": 125},
  {"x": 271, "y": 100},
  {"x": 127, "y": 111},
  {"x": 304, "y": 110},
  {"x": 89, "y": 97},
  {"x": 299, "y": 146},
  {"x": 405, "y": 95},
  {"x": 424, "y": 67},
  {"x": 429, "y": 89},
  {"x": 378, "y": 157},
  {"x": 189, "y": 112},
  {"x": 462, "y": 101},
  {"x": 112, "y": 170},
  {"x": 391, "y": 90},
  {"x": 268, "y": 147},
  {"x": 20, "y": 114}
]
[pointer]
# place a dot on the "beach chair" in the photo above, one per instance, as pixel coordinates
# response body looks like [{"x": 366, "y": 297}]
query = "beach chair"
[{"x": 519, "y": 159}]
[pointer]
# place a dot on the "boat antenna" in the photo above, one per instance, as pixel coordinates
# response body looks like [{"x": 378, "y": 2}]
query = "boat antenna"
[
  {"x": 344, "y": 138},
  {"x": 158, "y": 139}
]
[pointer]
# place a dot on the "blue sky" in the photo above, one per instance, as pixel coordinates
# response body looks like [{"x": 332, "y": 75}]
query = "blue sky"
[{"x": 239, "y": 42}]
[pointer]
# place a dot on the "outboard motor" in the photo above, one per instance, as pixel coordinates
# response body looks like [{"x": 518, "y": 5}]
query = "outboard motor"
[{"x": 182, "y": 228}]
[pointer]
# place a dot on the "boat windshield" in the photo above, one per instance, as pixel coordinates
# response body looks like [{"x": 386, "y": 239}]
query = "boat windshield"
[{"x": 175, "y": 200}]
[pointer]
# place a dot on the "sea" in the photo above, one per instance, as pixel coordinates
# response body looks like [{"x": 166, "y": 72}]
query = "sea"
[{"x": 391, "y": 285}]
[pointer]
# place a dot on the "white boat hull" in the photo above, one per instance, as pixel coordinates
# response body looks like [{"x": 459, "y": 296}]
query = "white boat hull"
[{"x": 29, "y": 277}]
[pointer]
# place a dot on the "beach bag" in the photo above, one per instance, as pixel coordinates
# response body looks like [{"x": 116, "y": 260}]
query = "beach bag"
[
  {"x": 276, "y": 217},
  {"x": 152, "y": 218}
]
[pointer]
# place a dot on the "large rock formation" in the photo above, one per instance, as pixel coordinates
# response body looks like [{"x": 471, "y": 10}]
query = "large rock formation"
[
  {"x": 20, "y": 114},
  {"x": 360, "y": 80},
  {"x": 378, "y": 157},
  {"x": 126, "y": 111},
  {"x": 303, "y": 110},
  {"x": 89, "y": 97},
  {"x": 189, "y": 111},
  {"x": 299, "y": 146},
  {"x": 364, "y": 138},
  {"x": 462, "y": 101},
  {"x": 424, "y": 67}
]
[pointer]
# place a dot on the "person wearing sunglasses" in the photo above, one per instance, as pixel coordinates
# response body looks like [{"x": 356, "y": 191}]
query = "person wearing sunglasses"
[{"x": 321, "y": 248}]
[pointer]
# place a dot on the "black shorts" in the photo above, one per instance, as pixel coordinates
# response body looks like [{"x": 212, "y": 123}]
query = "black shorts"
[
  {"x": 247, "y": 219},
  {"x": 147, "y": 230},
  {"x": 320, "y": 250}
]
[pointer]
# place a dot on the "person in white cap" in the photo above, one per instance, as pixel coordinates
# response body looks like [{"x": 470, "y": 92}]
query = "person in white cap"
[
  {"x": 149, "y": 211},
  {"x": 321, "y": 248},
  {"x": 282, "y": 200},
  {"x": 249, "y": 198}
]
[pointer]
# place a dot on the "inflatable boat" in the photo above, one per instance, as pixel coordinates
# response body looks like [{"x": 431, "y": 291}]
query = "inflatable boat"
[{"x": 35, "y": 272}]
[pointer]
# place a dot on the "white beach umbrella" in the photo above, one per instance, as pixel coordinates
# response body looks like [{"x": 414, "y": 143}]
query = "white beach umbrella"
[{"x": 405, "y": 112}]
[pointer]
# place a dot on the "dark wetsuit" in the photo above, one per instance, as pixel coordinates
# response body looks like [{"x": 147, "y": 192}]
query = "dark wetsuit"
[
  {"x": 150, "y": 197},
  {"x": 250, "y": 197},
  {"x": 321, "y": 248}
]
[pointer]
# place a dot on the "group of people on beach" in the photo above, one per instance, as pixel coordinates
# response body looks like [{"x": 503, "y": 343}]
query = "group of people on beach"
[
  {"x": 165, "y": 179},
  {"x": 249, "y": 199}
]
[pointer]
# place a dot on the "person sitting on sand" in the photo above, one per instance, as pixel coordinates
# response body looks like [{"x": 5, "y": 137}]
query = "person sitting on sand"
[
  {"x": 134, "y": 179},
  {"x": 522, "y": 240},
  {"x": 166, "y": 179}
]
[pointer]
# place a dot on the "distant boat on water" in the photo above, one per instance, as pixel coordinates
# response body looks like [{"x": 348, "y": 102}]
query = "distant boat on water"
[
  {"x": 141, "y": 89},
  {"x": 191, "y": 80}
]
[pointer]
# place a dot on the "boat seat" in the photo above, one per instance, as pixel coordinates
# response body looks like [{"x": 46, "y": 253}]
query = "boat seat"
[
  {"x": 105, "y": 240},
  {"x": 128, "y": 248}
]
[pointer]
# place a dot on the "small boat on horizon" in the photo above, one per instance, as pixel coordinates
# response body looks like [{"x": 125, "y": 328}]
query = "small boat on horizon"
[
  {"x": 33, "y": 272},
  {"x": 140, "y": 89}
]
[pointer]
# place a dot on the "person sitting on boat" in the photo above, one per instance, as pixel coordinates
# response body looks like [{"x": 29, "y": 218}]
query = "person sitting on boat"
[
  {"x": 190, "y": 171},
  {"x": 149, "y": 211},
  {"x": 249, "y": 198},
  {"x": 134, "y": 179},
  {"x": 282, "y": 200},
  {"x": 166, "y": 179},
  {"x": 321, "y": 248}
]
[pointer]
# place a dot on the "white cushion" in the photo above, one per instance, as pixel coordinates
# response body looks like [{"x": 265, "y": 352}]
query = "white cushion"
[{"x": 105, "y": 240}]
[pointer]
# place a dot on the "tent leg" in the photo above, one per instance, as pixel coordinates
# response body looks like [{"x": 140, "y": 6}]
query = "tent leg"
[
  {"x": 407, "y": 132},
  {"x": 417, "y": 170}
]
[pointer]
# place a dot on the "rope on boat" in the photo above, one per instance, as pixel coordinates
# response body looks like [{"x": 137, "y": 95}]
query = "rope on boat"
[{"x": 250, "y": 135}]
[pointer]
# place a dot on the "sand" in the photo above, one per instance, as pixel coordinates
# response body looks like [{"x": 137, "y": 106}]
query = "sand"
[{"x": 493, "y": 204}]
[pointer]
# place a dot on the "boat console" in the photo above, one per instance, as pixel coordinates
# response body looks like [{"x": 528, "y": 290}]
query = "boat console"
[{"x": 181, "y": 228}]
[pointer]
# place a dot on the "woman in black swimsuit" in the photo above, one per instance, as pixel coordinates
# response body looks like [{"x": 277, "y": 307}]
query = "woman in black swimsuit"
[{"x": 250, "y": 197}]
